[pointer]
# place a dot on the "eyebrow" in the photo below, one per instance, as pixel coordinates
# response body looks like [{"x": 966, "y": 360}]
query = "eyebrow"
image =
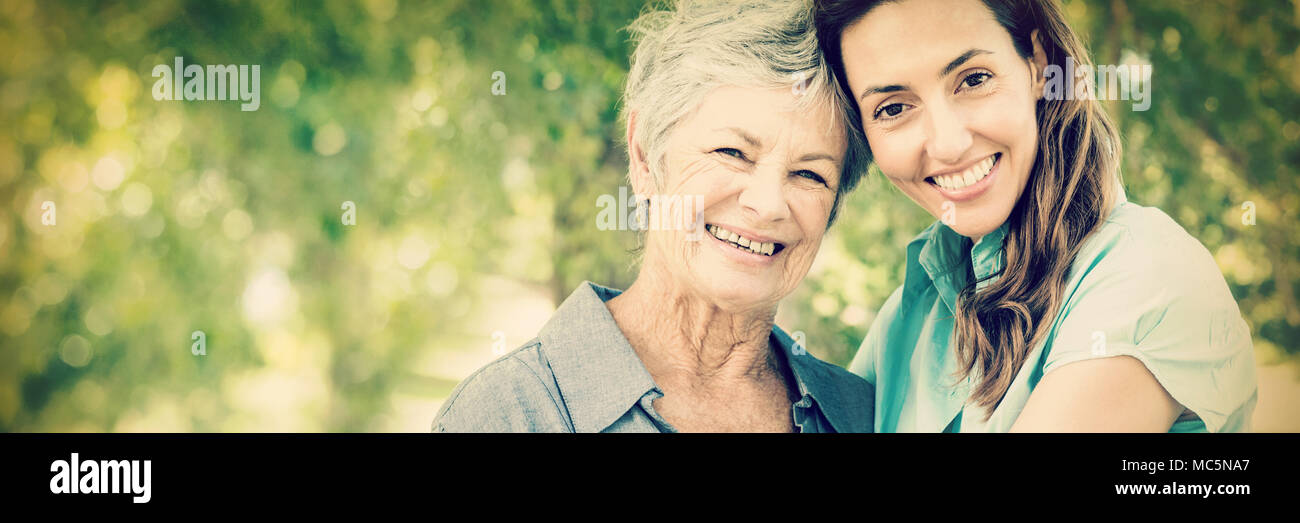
[
  {"x": 957, "y": 62},
  {"x": 954, "y": 64},
  {"x": 816, "y": 156}
]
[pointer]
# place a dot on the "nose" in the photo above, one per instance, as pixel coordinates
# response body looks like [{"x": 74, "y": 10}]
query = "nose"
[
  {"x": 947, "y": 135},
  {"x": 762, "y": 196}
]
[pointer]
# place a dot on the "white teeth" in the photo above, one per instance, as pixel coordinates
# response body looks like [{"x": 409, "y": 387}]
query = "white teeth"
[
  {"x": 741, "y": 242},
  {"x": 968, "y": 177}
]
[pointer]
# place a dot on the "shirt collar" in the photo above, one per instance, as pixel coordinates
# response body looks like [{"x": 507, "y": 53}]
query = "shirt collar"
[
  {"x": 986, "y": 256},
  {"x": 1121, "y": 197},
  {"x": 945, "y": 255},
  {"x": 599, "y": 375},
  {"x": 952, "y": 261},
  {"x": 839, "y": 404}
]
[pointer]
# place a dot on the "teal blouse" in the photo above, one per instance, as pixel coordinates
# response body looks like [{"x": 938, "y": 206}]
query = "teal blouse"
[{"x": 1140, "y": 286}]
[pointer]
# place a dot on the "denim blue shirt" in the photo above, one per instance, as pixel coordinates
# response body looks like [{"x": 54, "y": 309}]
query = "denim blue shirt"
[{"x": 580, "y": 374}]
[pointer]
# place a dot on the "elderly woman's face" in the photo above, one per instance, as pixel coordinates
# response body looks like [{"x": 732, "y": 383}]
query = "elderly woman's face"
[{"x": 766, "y": 175}]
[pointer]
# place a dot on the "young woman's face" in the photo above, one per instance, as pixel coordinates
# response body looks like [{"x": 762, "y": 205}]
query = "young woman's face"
[{"x": 948, "y": 106}]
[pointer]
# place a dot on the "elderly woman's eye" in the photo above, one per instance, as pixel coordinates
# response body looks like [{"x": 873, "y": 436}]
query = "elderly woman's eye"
[
  {"x": 735, "y": 153},
  {"x": 811, "y": 176}
]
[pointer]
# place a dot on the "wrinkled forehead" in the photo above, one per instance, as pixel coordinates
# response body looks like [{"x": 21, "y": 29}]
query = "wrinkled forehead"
[{"x": 766, "y": 115}]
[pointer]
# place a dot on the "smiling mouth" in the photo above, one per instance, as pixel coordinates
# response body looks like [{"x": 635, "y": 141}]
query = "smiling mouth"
[
  {"x": 743, "y": 243},
  {"x": 968, "y": 177}
]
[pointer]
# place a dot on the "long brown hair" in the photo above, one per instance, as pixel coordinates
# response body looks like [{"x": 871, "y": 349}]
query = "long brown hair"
[{"x": 1071, "y": 186}]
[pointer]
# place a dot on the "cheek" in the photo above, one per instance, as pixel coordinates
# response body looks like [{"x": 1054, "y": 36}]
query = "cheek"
[
  {"x": 898, "y": 155},
  {"x": 1010, "y": 119},
  {"x": 1012, "y": 125},
  {"x": 812, "y": 211},
  {"x": 692, "y": 176},
  {"x": 897, "y": 152},
  {"x": 701, "y": 183},
  {"x": 811, "y": 244},
  {"x": 920, "y": 193},
  {"x": 811, "y": 204}
]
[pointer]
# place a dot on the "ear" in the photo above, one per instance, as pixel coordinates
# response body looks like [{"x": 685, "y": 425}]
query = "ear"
[
  {"x": 638, "y": 167},
  {"x": 1038, "y": 64}
]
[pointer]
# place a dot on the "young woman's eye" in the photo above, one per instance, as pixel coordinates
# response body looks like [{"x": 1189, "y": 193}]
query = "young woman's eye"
[
  {"x": 811, "y": 176},
  {"x": 889, "y": 111},
  {"x": 975, "y": 79}
]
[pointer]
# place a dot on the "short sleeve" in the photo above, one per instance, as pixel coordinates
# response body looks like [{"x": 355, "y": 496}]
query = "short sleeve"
[
  {"x": 1161, "y": 299},
  {"x": 864, "y": 362},
  {"x": 505, "y": 396}
]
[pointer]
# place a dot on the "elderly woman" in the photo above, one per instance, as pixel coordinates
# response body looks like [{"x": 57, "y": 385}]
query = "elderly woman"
[{"x": 728, "y": 105}]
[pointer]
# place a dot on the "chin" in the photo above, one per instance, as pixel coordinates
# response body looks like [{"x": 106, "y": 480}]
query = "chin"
[
  {"x": 984, "y": 223},
  {"x": 736, "y": 294},
  {"x": 974, "y": 230}
]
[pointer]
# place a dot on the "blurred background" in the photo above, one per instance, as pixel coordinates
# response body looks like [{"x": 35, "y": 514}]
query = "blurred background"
[{"x": 192, "y": 226}]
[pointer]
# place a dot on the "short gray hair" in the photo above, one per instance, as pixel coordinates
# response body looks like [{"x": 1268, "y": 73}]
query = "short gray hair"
[{"x": 689, "y": 47}]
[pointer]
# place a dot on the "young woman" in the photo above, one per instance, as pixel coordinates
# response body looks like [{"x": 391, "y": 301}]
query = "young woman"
[{"x": 1042, "y": 300}]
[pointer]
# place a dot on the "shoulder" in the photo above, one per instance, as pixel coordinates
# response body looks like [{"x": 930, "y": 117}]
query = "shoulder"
[
  {"x": 864, "y": 362},
  {"x": 1141, "y": 286},
  {"x": 889, "y": 308},
  {"x": 1142, "y": 267},
  {"x": 1146, "y": 239},
  {"x": 838, "y": 378},
  {"x": 1144, "y": 258},
  {"x": 515, "y": 393}
]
